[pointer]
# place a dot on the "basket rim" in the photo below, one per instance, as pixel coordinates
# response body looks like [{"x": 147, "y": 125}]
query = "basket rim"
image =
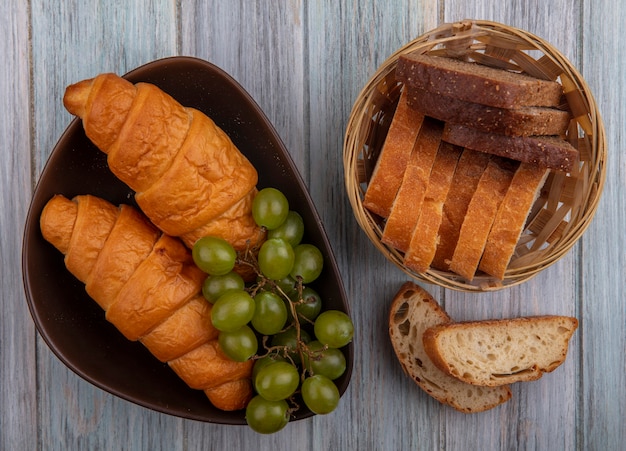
[{"x": 595, "y": 170}]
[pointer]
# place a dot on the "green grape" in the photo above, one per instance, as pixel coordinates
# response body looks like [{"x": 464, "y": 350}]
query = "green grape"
[
  {"x": 328, "y": 362},
  {"x": 275, "y": 259},
  {"x": 240, "y": 344},
  {"x": 214, "y": 255},
  {"x": 270, "y": 208},
  {"x": 267, "y": 417},
  {"x": 270, "y": 313},
  {"x": 215, "y": 286},
  {"x": 308, "y": 263},
  {"x": 320, "y": 394},
  {"x": 289, "y": 340},
  {"x": 261, "y": 363},
  {"x": 277, "y": 381},
  {"x": 333, "y": 328},
  {"x": 286, "y": 284},
  {"x": 311, "y": 305},
  {"x": 291, "y": 230},
  {"x": 232, "y": 310}
]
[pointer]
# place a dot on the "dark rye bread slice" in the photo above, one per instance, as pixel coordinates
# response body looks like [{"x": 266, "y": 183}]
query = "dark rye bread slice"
[
  {"x": 387, "y": 176},
  {"x": 551, "y": 152},
  {"x": 412, "y": 312},
  {"x": 522, "y": 121},
  {"x": 476, "y": 83}
]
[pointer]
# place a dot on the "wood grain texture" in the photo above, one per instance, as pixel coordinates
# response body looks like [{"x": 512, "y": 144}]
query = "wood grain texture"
[{"x": 304, "y": 62}]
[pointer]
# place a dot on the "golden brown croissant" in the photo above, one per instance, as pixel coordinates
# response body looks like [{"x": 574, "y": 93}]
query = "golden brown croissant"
[
  {"x": 150, "y": 289},
  {"x": 189, "y": 177}
]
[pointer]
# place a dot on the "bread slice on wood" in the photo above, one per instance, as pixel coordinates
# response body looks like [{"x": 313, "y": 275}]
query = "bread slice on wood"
[
  {"x": 511, "y": 217},
  {"x": 549, "y": 151},
  {"x": 412, "y": 312},
  {"x": 476, "y": 82},
  {"x": 423, "y": 243},
  {"x": 497, "y": 352},
  {"x": 393, "y": 158},
  {"x": 521, "y": 121},
  {"x": 408, "y": 202},
  {"x": 469, "y": 169},
  {"x": 481, "y": 212}
]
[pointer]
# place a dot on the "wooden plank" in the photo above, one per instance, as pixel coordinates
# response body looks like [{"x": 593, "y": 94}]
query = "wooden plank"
[
  {"x": 68, "y": 45},
  {"x": 18, "y": 399},
  {"x": 603, "y": 309}
]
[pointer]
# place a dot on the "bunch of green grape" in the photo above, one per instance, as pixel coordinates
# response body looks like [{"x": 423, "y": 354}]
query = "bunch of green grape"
[{"x": 278, "y": 320}]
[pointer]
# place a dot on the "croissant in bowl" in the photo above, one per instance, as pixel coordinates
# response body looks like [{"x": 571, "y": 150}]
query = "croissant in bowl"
[{"x": 150, "y": 289}]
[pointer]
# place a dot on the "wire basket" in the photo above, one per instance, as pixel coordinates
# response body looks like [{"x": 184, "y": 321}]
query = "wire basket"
[{"x": 567, "y": 202}]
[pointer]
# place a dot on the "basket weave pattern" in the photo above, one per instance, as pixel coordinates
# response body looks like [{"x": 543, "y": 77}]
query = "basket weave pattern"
[{"x": 567, "y": 203}]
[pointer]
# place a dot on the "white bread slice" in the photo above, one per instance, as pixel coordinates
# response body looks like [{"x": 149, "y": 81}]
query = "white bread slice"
[
  {"x": 425, "y": 235},
  {"x": 480, "y": 215},
  {"x": 408, "y": 202},
  {"x": 509, "y": 223},
  {"x": 412, "y": 312},
  {"x": 496, "y": 352},
  {"x": 393, "y": 158}
]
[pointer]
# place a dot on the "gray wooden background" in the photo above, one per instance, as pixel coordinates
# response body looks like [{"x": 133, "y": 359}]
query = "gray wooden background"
[{"x": 305, "y": 62}]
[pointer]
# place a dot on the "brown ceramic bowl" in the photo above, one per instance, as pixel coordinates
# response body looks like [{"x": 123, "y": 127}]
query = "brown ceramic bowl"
[{"x": 73, "y": 325}]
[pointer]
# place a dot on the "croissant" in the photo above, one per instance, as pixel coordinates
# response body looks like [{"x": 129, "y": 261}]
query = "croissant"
[
  {"x": 150, "y": 289},
  {"x": 189, "y": 178}
]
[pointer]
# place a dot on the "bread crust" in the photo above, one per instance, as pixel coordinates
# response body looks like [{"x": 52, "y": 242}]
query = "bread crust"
[
  {"x": 393, "y": 159},
  {"x": 413, "y": 310},
  {"x": 408, "y": 202},
  {"x": 425, "y": 237},
  {"x": 522, "y": 121},
  {"x": 490, "y": 354},
  {"x": 476, "y": 83}
]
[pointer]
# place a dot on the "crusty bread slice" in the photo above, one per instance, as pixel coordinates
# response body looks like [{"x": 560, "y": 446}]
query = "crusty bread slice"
[
  {"x": 497, "y": 352},
  {"x": 522, "y": 121},
  {"x": 476, "y": 82},
  {"x": 481, "y": 212},
  {"x": 423, "y": 243},
  {"x": 469, "y": 169},
  {"x": 393, "y": 158},
  {"x": 511, "y": 217},
  {"x": 408, "y": 202},
  {"x": 413, "y": 311},
  {"x": 549, "y": 151}
]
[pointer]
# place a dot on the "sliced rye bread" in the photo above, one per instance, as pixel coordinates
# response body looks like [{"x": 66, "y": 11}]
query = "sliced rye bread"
[
  {"x": 476, "y": 83},
  {"x": 551, "y": 152},
  {"x": 423, "y": 243},
  {"x": 387, "y": 175},
  {"x": 469, "y": 169},
  {"x": 510, "y": 219},
  {"x": 481, "y": 212},
  {"x": 412, "y": 312},
  {"x": 408, "y": 202},
  {"x": 522, "y": 121},
  {"x": 497, "y": 352}
]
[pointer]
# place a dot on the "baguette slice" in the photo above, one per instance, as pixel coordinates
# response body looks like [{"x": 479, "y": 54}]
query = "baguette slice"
[
  {"x": 470, "y": 168},
  {"x": 510, "y": 219},
  {"x": 476, "y": 83},
  {"x": 394, "y": 156},
  {"x": 497, "y": 352},
  {"x": 549, "y": 151},
  {"x": 481, "y": 213},
  {"x": 423, "y": 243},
  {"x": 413, "y": 311},
  {"x": 408, "y": 202},
  {"x": 522, "y": 121}
]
